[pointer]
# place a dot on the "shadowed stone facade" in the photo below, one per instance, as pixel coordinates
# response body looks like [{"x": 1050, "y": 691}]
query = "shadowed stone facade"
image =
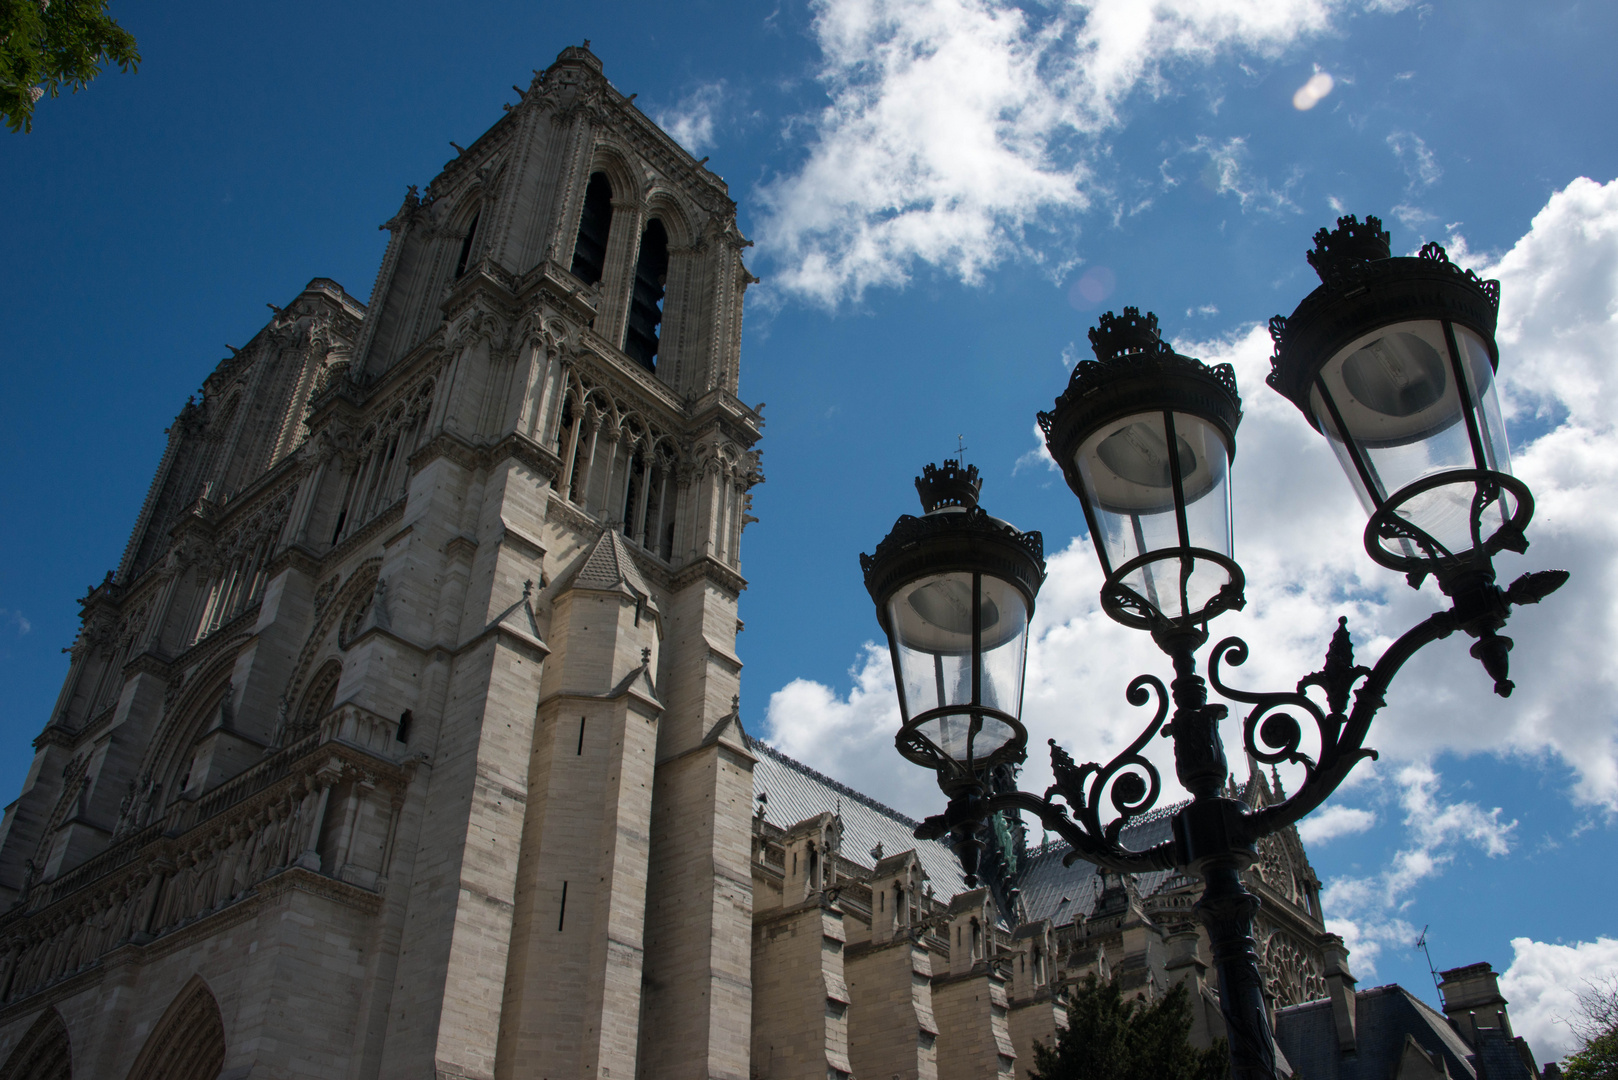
[{"x": 404, "y": 742}]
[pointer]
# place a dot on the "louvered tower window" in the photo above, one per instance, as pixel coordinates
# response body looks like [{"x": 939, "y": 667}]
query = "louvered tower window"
[
  {"x": 646, "y": 305},
  {"x": 466, "y": 245},
  {"x": 590, "y": 253}
]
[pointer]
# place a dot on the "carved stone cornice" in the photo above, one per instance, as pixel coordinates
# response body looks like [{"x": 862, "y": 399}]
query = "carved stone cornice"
[
  {"x": 203, "y": 649},
  {"x": 709, "y": 568},
  {"x": 563, "y": 512},
  {"x": 357, "y": 540},
  {"x": 723, "y": 411},
  {"x": 148, "y": 663},
  {"x": 556, "y": 285},
  {"x": 528, "y": 453},
  {"x": 485, "y": 287},
  {"x": 613, "y": 368},
  {"x": 55, "y": 735},
  {"x": 446, "y": 445},
  {"x": 294, "y": 557}
]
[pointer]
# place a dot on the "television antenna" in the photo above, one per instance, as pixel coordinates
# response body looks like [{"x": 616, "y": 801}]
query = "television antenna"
[{"x": 1421, "y": 943}]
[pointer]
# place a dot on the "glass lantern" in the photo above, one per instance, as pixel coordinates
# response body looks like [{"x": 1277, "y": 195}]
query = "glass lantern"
[
  {"x": 1145, "y": 438},
  {"x": 954, "y": 592},
  {"x": 1393, "y": 360}
]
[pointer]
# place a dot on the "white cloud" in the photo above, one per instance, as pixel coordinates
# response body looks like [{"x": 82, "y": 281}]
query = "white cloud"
[
  {"x": 1226, "y": 174},
  {"x": 1334, "y": 821},
  {"x": 957, "y": 126},
  {"x": 1040, "y": 454},
  {"x": 1366, "y": 911},
  {"x": 1420, "y": 163},
  {"x": 16, "y": 620},
  {"x": 1412, "y": 217},
  {"x": 1543, "y": 986},
  {"x": 691, "y": 120},
  {"x": 851, "y": 738},
  {"x": 1298, "y": 535}
]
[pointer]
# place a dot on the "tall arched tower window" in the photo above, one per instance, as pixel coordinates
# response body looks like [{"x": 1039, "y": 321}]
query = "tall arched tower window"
[
  {"x": 646, "y": 304},
  {"x": 466, "y": 245},
  {"x": 590, "y": 252}
]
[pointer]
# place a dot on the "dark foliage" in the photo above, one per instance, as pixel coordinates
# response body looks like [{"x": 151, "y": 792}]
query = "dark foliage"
[
  {"x": 48, "y": 44},
  {"x": 1110, "y": 1038},
  {"x": 1597, "y": 1029}
]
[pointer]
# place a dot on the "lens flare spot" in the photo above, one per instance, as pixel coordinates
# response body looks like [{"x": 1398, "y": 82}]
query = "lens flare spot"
[
  {"x": 1310, "y": 93},
  {"x": 1093, "y": 286}
]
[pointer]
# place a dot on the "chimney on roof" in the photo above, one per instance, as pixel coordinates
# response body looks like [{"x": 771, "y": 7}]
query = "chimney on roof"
[
  {"x": 1472, "y": 999},
  {"x": 1340, "y": 989}
]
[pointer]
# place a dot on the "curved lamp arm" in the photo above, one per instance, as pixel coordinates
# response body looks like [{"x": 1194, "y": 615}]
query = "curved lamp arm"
[
  {"x": 1129, "y": 781},
  {"x": 1272, "y": 735}
]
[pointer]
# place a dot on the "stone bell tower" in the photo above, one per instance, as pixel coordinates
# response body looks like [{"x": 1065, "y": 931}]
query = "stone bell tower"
[{"x": 425, "y": 641}]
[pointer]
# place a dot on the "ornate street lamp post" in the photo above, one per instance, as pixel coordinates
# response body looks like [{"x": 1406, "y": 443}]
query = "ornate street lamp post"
[{"x": 1393, "y": 360}]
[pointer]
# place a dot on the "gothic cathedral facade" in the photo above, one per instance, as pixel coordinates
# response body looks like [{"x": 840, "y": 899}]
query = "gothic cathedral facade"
[{"x": 306, "y": 699}]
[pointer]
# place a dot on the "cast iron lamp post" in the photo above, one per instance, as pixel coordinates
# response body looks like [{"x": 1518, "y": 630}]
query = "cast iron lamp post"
[{"x": 1393, "y": 361}]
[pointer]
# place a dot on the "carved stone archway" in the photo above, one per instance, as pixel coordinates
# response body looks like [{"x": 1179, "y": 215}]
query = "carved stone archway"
[
  {"x": 188, "y": 1043},
  {"x": 43, "y": 1053}
]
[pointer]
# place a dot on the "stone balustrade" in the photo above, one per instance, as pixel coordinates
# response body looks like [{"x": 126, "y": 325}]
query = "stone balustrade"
[
  {"x": 364, "y": 729},
  {"x": 327, "y": 804}
]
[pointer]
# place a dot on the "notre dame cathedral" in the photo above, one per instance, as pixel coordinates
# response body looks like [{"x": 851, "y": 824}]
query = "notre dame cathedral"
[{"x": 403, "y": 740}]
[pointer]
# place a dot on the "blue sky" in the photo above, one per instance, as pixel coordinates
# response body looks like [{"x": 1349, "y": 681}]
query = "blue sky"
[{"x": 944, "y": 194}]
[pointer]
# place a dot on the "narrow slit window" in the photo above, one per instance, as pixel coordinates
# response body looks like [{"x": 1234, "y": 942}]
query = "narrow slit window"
[
  {"x": 561, "y": 913},
  {"x": 580, "y": 751},
  {"x": 466, "y": 245},
  {"x": 590, "y": 251},
  {"x": 646, "y": 304}
]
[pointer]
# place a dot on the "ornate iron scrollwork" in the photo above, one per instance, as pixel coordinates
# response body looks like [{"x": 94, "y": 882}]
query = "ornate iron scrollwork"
[
  {"x": 1273, "y": 735},
  {"x": 1134, "y": 781}
]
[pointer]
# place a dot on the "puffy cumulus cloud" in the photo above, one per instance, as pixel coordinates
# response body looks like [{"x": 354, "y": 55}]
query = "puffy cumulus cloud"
[
  {"x": 1366, "y": 910},
  {"x": 851, "y": 738},
  {"x": 1558, "y": 335},
  {"x": 1543, "y": 985},
  {"x": 691, "y": 120},
  {"x": 955, "y": 126},
  {"x": 1334, "y": 821}
]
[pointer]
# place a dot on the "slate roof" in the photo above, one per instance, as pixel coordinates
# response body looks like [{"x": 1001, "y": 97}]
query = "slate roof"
[
  {"x": 1384, "y": 1015},
  {"x": 609, "y": 566},
  {"x": 1049, "y": 889},
  {"x": 797, "y": 792},
  {"x": 1060, "y": 893},
  {"x": 1498, "y": 1058}
]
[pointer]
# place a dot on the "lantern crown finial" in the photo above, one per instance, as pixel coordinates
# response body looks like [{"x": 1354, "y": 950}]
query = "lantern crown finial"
[
  {"x": 1351, "y": 242},
  {"x": 949, "y": 484},
  {"x": 1128, "y": 334}
]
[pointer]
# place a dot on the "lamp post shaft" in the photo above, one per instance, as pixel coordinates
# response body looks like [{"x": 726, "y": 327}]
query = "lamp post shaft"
[
  {"x": 1227, "y": 909},
  {"x": 1210, "y": 841}
]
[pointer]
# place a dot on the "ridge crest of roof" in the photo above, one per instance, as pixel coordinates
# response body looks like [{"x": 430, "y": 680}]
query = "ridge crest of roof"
[{"x": 760, "y": 746}]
